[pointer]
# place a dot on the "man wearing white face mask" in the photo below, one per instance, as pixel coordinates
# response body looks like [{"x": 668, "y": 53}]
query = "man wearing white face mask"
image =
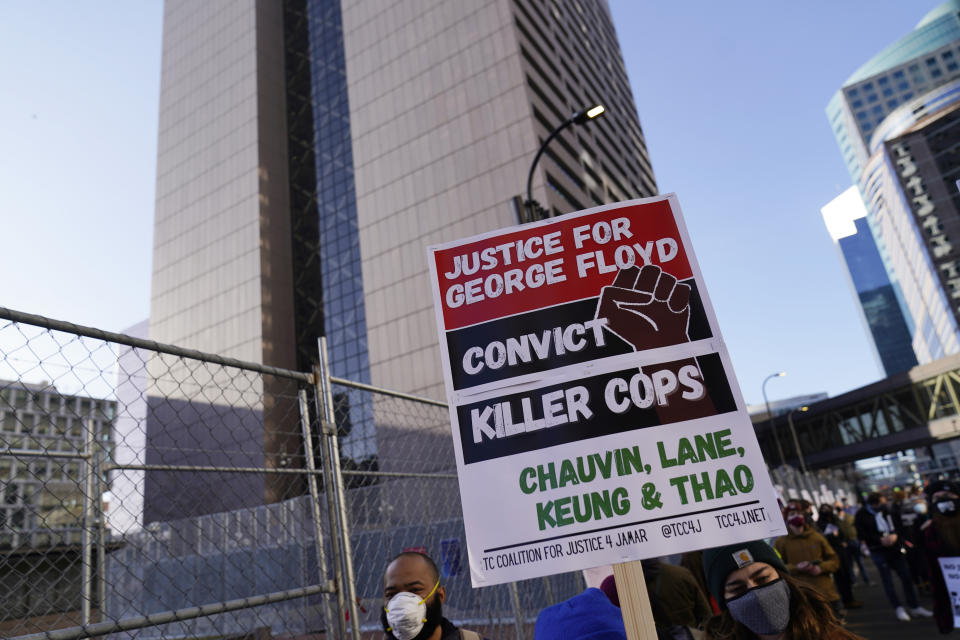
[{"x": 413, "y": 601}]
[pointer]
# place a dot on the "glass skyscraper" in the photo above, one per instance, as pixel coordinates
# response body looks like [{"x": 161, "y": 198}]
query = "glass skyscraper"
[
  {"x": 862, "y": 115},
  {"x": 846, "y": 220},
  {"x": 310, "y": 151}
]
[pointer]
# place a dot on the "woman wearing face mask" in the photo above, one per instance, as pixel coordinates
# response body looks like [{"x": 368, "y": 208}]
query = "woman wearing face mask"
[
  {"x": 759, "y": 601},
  {"x": 942, "y": 540}
]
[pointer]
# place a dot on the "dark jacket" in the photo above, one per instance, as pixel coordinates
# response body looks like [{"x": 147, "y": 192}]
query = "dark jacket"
[
  {"x": 675, "y": 596},
  {"x": 869, "y": 532},
  {"x": 449, "y": 630},
  {"x": 936, "y": 548}
]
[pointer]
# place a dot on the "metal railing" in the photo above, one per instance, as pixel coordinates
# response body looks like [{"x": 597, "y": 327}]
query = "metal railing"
[{"x": 153, "y": 491}]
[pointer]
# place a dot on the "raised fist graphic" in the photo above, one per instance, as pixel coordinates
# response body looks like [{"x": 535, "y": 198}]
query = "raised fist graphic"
[{"x": 646, "y": 307}]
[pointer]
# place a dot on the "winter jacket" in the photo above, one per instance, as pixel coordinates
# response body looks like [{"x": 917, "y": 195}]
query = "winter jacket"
[
  {"x": 810, "y": 546},
  {"x": 937, "y": 548}
]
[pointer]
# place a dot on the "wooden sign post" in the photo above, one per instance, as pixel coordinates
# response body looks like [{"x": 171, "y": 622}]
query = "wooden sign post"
[{"x": 634, "y": 601}]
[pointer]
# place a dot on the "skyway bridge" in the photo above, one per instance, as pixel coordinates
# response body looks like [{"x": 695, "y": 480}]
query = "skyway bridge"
[{"x": 916, "y": 408}]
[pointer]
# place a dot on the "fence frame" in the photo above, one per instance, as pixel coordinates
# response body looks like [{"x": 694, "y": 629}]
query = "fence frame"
[{"x": 342, "y": 585}]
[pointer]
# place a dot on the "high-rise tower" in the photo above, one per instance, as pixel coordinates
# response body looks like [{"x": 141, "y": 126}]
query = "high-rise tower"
[
  {"x": 309, "y": 152},
  {"x": 873, "y": 105}
]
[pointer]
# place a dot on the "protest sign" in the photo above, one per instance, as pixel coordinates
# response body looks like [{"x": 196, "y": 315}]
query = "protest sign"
[
  {"x": 595, "y": 415},
  {"x": 950, "y": 567}
]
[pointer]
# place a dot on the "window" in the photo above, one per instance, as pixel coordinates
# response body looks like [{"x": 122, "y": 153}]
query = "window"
[
  {"x": 857, "y": 104},
  {"x": 883, "y": 81},
  {"x": 887, "y": 92},
  {"x": 936, "y": 73},
  {"x": 877, "y": 110},
  {"x": 947, "y": 55},
  {"x": 891, "y": 104},
  {"x": 872, "y": 97},
  {"x": 853, "y": 92},
  {"x": 931, "y": 62},
  {"x": 861, "y": 115},
  {"x": 868, "y": 86},
  {"x": 903, "y": 86},
  {"x": 952, "y": 65},
  {"x": 897, "y": 75}
]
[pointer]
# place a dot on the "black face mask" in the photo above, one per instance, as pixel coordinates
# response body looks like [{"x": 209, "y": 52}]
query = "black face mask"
[
  {"x": 434, "y": 618},
  {"x": 946, "y": 507}
]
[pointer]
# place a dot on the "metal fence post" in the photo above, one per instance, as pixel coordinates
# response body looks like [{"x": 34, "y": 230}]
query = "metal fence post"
[
  {"x": 548, "y": 590},
  {"x": 311, "y": 466},
  {"x": 319, "y": 376},
  {"x": 101, "y": 531},
  {"x": 330, "y": 433},
  {"x": 87, "y": 533},
  {"x": 517, "y": 611}
]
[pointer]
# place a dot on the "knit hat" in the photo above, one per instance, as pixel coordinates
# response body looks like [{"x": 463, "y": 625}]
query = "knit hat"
[
  {"x": 720, "y": 562},
  {"x": 588, "y": 616},
  {"x": 609, "y": 587},
  {"x": 941, "y": 485}
]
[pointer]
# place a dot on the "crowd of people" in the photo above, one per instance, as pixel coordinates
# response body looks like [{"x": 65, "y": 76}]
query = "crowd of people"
[{"x": 796, "y": 587}]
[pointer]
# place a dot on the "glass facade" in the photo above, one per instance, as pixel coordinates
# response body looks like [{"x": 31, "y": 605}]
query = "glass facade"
[
  {"x": 927, "y": 57},
  {"x": 327, "y": 272},
  {"x": 939, "y": 27},
  {"x": 910, "y": 186},
  {"x": 328, "y": 281},
  {"x": 889, "y": 329}
]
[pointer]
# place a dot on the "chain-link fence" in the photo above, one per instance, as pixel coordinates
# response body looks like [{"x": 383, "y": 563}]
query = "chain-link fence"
[
  {"x": 150, "y": 491},
  {"x": 406, "y": 497},
  {"x": 823, "y": 486}
]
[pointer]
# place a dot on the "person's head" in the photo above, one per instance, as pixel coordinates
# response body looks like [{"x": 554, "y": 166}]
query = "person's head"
[
  {"x": 826, "y": 513},
  {"x": 757, "y": 597},
  {"x": 588, "y": 616},
  {"x": 720, "y": 563},
  {"x": 412, "y": 597},
  {"x": 942, "y": 491},
  {"x": 876, "y": 500},
  {"x": 795, "y": 518},
  {"x": 944, "y": 499}
]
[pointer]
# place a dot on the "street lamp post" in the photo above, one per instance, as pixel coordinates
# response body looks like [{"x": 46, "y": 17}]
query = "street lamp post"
[
  {"x": 773, "y": 427},
  {"x": 796, "y": 441},
  {"x": 580, "y": 117}
]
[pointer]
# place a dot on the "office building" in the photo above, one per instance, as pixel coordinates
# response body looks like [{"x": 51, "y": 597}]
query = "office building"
[
  {"x": 42, "y": 506},
  {"x": 861, "y": 116},
  {"x": 309, "y": 153},
  {"x": 910, "y": 186},
  {"x": 880, "y": 311}
]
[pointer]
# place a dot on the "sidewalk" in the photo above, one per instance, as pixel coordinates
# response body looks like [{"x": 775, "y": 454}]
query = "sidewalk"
[{"x": 877, "y": 620}]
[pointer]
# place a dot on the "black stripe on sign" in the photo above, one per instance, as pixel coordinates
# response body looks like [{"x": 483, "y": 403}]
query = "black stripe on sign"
[
  {"x": 545, "y": 320},
  {"x": 482, "y": 438}
]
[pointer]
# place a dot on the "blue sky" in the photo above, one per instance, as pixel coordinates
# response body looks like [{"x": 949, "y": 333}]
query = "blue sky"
[{"x": 731, "y": 97}]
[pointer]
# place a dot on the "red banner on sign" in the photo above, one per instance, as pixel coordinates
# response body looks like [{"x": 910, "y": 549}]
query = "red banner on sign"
[{"x": 508, "y": 274}]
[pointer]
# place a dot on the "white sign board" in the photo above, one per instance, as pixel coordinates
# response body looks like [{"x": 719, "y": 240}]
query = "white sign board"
[
  {"x": 950, "y": 567},
  {"x": 596, "y": 418}
]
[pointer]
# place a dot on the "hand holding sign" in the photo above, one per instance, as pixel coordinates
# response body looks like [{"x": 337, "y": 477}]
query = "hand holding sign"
[{"x": 646, "y": 307}]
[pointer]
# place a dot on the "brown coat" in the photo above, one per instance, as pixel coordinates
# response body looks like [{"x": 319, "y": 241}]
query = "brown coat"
[
  {"x": 847, "y": 528},
  {"x": 810, "y": 545}
]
